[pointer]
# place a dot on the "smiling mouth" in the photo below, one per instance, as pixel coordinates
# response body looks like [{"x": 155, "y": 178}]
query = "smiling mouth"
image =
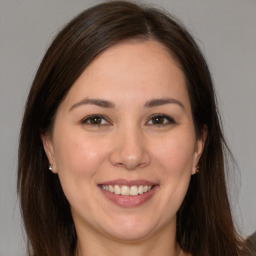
[
  {"x": 128, "y": 193},
  {"x": 127, "y": 190}
]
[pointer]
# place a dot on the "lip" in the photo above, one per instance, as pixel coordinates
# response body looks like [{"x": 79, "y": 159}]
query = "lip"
[{"x": 129, "y": 201}]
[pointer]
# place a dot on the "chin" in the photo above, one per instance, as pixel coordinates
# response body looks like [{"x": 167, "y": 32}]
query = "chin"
[
  {"x": 129, "y": 235},
  {"x": 132, "y": 229}
]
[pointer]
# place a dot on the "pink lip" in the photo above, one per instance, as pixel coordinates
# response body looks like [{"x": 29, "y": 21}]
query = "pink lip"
[{"x": 129, "y": 201}]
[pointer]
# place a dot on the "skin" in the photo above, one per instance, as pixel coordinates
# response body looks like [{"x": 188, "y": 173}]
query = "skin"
[{"x": 127, "y": 143}]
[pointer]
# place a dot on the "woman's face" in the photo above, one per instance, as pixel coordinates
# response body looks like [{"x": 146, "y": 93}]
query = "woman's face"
[{"x": 126, "y": 127}]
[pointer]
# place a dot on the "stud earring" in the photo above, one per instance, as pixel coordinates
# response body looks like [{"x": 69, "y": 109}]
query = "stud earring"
[
  {"x": 50, "y": 167},
  {"x": 196, "y": 171}
]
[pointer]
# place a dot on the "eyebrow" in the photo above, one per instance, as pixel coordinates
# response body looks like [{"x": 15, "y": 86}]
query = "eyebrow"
[
  {"x": 160, "y": 102},
  {"x": 97, "y": 102},
  {"x": 107, "y": 104}
]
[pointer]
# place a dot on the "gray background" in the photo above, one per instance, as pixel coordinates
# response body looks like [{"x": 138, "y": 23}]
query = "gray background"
[{"x": 226, "y": 32}]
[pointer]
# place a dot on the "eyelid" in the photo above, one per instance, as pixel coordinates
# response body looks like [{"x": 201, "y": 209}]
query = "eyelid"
[
  {"x": 169, "y": 118},
  {"x": 85, "y": 119}
]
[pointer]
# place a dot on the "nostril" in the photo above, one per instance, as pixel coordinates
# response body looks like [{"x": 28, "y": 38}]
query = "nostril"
[{"x": 129, "y": 161}]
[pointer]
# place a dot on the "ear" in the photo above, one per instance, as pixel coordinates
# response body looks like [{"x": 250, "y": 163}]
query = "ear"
[
  {"x": 199, "y": 147},
  {"x": 49, "y": 150}
]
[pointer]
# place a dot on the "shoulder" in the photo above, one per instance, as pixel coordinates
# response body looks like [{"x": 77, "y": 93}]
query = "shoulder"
[{"x": 250, "y": 244}]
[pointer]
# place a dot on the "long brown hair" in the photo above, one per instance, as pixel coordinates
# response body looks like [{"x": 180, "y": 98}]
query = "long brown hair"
[{"x": 204, "y": 221}]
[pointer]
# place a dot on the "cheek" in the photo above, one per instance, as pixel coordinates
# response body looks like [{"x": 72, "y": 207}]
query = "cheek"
[
  {"x": 77, "y": 155},
  {"x": 78, "y": 160},
  {"x": 176, "y": 154},
  {"x": 174, "y": 164}
]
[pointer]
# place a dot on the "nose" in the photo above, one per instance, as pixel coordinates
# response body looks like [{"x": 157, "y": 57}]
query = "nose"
[{"x": 130, "y": 150}]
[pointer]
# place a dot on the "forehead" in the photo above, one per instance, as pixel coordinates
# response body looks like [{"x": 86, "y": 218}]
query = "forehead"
[
  {"x": 131, "y": 69},
  {"x": 143, "y": 55}
]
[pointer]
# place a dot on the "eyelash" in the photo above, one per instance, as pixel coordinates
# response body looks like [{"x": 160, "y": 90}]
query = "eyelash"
[
  {"x": 168, "y": 120},
  {"x": 94, "y": 117},
  {"x": 161, "y": 117}
]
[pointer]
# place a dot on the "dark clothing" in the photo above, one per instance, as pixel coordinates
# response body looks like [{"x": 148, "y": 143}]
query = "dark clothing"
[{"x": 250, "y": 243}]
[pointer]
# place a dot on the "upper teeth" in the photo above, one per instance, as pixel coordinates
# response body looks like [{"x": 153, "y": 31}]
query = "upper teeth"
[{"x": 127, "y": 191}]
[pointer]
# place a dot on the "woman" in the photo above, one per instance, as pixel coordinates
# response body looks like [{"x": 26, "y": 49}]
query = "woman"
[{"x": 122, "y": 112}]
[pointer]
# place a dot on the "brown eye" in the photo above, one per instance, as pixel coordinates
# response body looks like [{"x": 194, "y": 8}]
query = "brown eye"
[
  {"x": 160, "y": 120},
  {"x": 95, "y": 120}
]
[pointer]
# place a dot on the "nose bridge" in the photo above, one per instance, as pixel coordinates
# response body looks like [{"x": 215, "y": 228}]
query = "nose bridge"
[{"x": 130, "y": 149}]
